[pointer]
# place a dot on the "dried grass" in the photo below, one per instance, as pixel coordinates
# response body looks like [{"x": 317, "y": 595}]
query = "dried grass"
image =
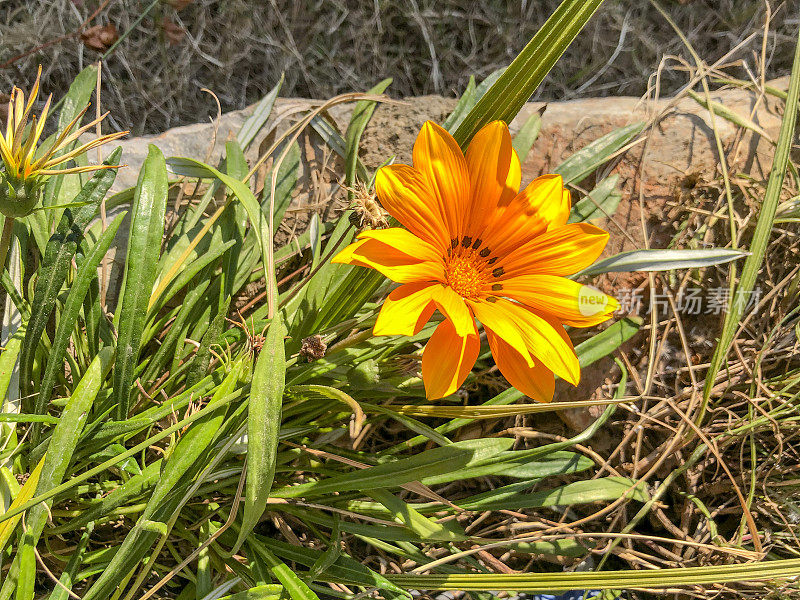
[{"x": 239, "y": 48}]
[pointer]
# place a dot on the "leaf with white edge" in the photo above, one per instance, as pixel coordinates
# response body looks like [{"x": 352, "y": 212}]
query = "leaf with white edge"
[
  {"x": 663, "y": 260},
  {"x": 581, "y": 164}
]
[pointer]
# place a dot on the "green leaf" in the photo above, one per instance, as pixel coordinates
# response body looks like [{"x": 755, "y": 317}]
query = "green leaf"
[
  {"x": 580, "y": 492},
  {"x": 185, "y": 459},
  {"x": 296, "y": 587},
  {"x": 128, "y": 491},
  {"x": 464, "y": 105},
  {"x": 8, "y": 360},
  {"x": 581, "y": 164},
  {"x": 259, "y": 118},
  {"x": 726, "y": 113},
  {"x": 362, "y": 113},
  {"x": 526, "y": 136},
  {"x": 761, "y": 235},
  {"x": 663, "y": 260},
  {"x": 75, "y": 100},
  {"x": 519, "y": 81},
  {"x": 608, "y": 340},
  {"x": 599, "y": 204},
  {"x": 288, "y": 174},
  {"x": 270, "y": 591},
  {"x": 189, "y": 272},
  {"x": 425, "y": 528},
  {"x": 263, "y": 425},
  {"x": 714, "y": 575},
  {"x": 87, "y": 272},
  {"x": 64, "y": 440},
  {"x": 60, "y": 450},
  {"x": 144, "y": 248},
  {"x": 57, "y": 259},
  {"x": 393, "y": 474},
  {"x": 519, "y": 464},
  {"x": 68, "y": 575},
  {"x": 343, "y": 570},
  {"x": 258, "y": 220}
]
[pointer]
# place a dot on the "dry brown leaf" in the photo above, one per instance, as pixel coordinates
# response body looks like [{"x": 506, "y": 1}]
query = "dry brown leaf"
[
  {"x": 100, "y": 37},
  {"x": 173, "y": 33}
]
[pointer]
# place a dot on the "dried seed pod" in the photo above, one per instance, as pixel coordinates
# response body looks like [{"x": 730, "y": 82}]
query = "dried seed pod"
[
  {"x": 313, "y": 347},
  {"x": 367, "y": 212}
]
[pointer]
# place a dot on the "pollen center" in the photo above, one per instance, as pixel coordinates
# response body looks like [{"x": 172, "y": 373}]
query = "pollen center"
[{"x": 464, "y": 276}]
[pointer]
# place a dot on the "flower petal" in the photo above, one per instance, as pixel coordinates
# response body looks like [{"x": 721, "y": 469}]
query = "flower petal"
[
  {"x": 537, "y": 381},
  {"x": 502, "y": 327},
  {"x": 542, "y": 205},
  {"x": 405, "y": 195},
  {"x": 544, "y": 337},
  {"x": 455, "y": 308},
  {"x": 572, "y": 303},
  {"x": 494, "y": 172},
  {"x": 560, "y": 251},
  {"x": 405, "y": 241},
  {"x": 391, "y": 262},
  {"x": 439, "y": 159},
  {"x": 406, "y": 310},
  {"x": 447, "y": 360}
]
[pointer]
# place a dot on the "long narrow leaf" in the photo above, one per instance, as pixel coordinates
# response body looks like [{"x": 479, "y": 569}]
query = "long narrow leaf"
[
  {"x": 258, "y": 119},
  {"x": 431, "y": 462},
  {"x": 758, "y": 246},
  {"x": 607, "y": 580},
  {"x": 578, "y": 166},
  {"x": 144, "y": 245},
  {"x": 519, "y": 81},
  {"x": 58, "y": 256},
  {"x": 263, "y": 425},
  {"x": 664, "y": 260},
  {"x": 72, "y": 307}
]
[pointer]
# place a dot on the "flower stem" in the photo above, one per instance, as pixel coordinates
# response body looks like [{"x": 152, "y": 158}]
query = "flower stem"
[{"x": 5, "y": 240}]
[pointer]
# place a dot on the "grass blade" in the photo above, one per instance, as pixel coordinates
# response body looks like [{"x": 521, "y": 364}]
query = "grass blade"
[
  {"x": 66, "y": 324},
  {"x": 58, "y": 256},
  {"x": 525, "y": 138},
  {"x": 260, "y": 116},
  {"x": 581, "y": 164},
  {"x": 263, "y": 425},
  {"x": 519, "y": 81},
  {"x": 53, "y": 467},
  {"x": 663, "y": 260},
  {"x": 144, "y": 245},
  {"x": 296, "y": 587},
  {"x": 608, "y": 580},
  {"x": 185, "y": 459},
  {"x": 258, "y": 221},
  {"x": 362, "y": 113},
  {"x": 464, "y": 105},
  {"x": 600, "y": 203},
  {"x": 396, "y": 473},
  {"x": 763, "y": 229},
  {"x": 343, "y": 570}
]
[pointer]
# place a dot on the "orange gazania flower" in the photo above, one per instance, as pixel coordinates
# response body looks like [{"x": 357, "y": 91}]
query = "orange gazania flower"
[{"x": 476, "y": 247}]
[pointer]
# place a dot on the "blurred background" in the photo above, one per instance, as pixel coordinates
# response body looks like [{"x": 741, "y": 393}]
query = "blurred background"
[{"x": 159, "y": 54}]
